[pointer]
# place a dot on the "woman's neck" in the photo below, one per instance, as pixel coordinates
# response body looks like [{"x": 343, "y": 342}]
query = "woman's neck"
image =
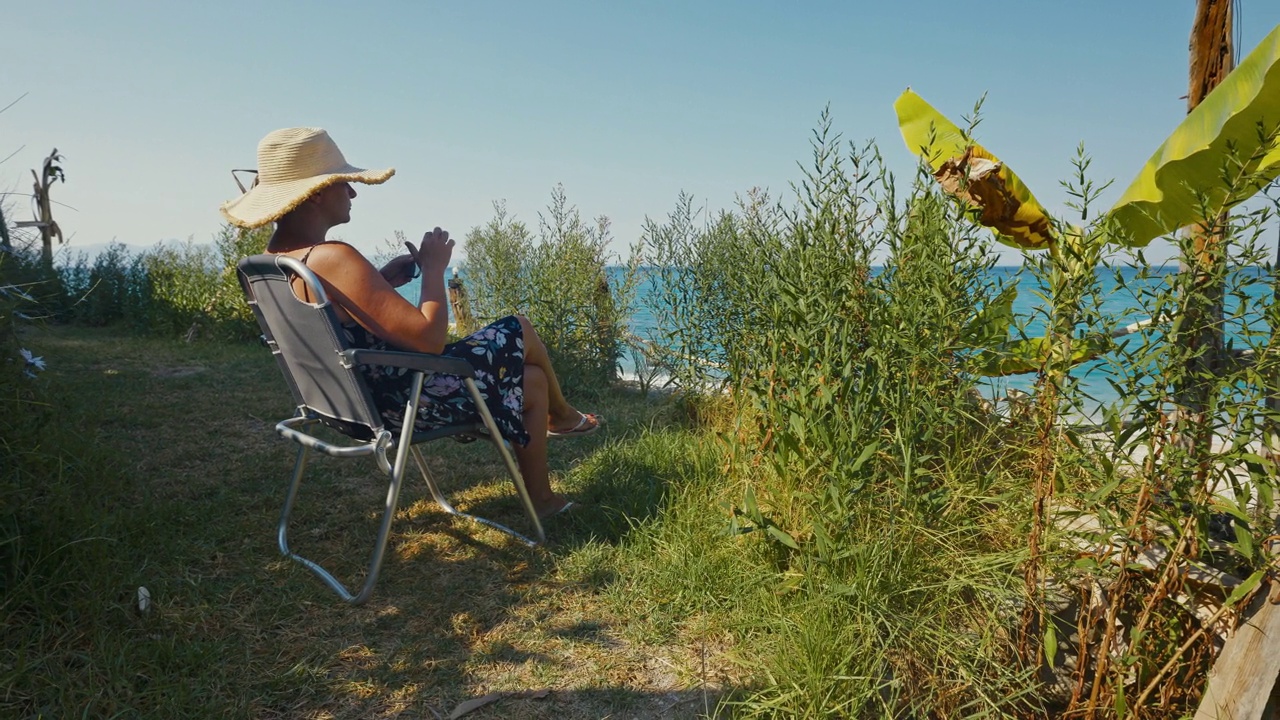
[{"x": 290, "y": 236}]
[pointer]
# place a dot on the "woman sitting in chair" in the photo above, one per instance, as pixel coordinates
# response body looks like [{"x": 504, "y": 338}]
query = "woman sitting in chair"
[{"x": 304, "y": 186}]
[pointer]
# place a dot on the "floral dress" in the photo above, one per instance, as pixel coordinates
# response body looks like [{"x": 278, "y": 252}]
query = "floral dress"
[{"x": 496, "y": 351}]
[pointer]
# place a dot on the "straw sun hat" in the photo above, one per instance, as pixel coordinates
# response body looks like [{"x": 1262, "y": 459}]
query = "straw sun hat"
[{"x": 293, "y": 164}]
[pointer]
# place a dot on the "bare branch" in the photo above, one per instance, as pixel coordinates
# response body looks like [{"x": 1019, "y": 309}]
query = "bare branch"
[
  {"x": 10, "y": 155},
  {"x": 15, "y": 102}
]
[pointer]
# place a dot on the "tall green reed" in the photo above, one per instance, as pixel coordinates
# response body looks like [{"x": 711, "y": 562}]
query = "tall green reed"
[
  {"x": 1149, "y": 505},
  {"x": 858, "y": 458},
  {"x": 698, "y": 283},
  {"x": 51, "y": 522},
  {"x": 562, "y": 281}
]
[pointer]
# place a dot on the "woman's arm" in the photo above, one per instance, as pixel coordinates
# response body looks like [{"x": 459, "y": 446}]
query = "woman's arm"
[
  {"x": 361, "y": 290},
  {"x": 433, "y": 258}
]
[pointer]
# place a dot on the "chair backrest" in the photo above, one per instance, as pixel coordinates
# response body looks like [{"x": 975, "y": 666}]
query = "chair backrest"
[{"x": 308, "y": 343}]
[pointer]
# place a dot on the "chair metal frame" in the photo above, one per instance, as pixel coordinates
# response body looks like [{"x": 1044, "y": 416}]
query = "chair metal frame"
[{"x": 307, "y": 342}]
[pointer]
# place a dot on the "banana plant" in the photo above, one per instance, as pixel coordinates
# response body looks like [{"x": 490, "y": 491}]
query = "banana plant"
[
  {"x": 994, "y": 196},
  {"x": 997, "y": 355},
  {"x": 1239, "y": 119},
  {"x": 1181, "y": 184}
]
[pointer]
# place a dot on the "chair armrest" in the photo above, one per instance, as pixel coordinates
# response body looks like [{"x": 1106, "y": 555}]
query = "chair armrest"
[{"x": 413, "y": 361}]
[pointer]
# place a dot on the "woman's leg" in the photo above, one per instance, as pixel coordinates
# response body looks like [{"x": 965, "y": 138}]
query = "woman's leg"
[
  {"x": 559, "y": 413},
  {"x": 532, "y": 458}
]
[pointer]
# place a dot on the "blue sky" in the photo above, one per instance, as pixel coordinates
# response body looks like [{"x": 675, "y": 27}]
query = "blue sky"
[{"x": 625, "y": 104}]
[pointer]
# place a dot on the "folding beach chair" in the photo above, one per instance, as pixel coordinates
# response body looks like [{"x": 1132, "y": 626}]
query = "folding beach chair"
[{"x": 328, "y": 387}]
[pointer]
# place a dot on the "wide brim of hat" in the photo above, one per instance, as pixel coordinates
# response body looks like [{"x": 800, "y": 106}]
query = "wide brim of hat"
[{"x": 267, "y": 203}]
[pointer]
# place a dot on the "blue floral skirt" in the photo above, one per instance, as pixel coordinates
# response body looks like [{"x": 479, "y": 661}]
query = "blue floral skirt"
[{"x": 496, "y": 351}]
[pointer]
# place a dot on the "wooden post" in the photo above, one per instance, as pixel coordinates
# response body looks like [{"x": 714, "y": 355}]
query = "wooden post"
[
  {"x": 1242, "y": 682},
  {"x": 605, "y": 341},
  {"x": 1212, "y": 59},
  {"x": 49, "y": 173},
  {"x": 1271, "y": 419},
  {"x": 460, "y": 305}
]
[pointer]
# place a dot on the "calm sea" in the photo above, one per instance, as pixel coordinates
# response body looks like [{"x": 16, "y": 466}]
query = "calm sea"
[{"x": 1119, "y": 305}]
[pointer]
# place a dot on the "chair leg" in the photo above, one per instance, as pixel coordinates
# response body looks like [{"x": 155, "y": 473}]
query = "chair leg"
[
  {"x": 512, "y": 469},
  {"x": 449, "y": 508},
  {"x": 397, "y": 472},
  {"x": 282, "y": 532},
  {"x": 384, "y": 529}
]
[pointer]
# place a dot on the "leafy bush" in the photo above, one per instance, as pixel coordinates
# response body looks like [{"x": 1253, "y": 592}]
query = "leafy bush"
[
  {"x": 497, "y": 266},
  {"x": 859, "y": 460},
  {"x": 113, "y": 288},
  {"x": 561, "y": 281},
  {"x": 24, "y": 414},
  {"x": 700, "y": 287},
  {"x": 180, "y": 290}
]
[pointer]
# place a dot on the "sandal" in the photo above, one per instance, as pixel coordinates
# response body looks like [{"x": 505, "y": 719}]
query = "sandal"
[
  {"x": 568, "y": 507},
  {"x": 587, "y": 424}
]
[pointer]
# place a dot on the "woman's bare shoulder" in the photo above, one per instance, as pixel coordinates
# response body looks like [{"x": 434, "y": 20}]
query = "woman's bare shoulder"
[
  {"x": 338, "y": 256},
  {"x": 338, "y": 248}
]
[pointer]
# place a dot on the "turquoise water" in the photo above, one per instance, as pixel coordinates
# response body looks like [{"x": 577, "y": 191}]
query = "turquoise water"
[{"x": 1119, "y": 305}]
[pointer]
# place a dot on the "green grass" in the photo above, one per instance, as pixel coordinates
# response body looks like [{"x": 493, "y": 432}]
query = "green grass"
[
  {"x": 643, "y": 605},
  {"x": 844, "y": 534},
  {"x": 174, "y": 478}
]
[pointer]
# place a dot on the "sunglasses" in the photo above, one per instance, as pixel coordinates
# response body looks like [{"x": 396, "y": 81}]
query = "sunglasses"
[{"x": 240, "y": 184}]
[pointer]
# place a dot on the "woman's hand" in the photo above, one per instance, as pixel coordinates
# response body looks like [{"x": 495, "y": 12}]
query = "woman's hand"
[
  {"x": 400, "y": 270},
  {"x": 434, "y": 253}
]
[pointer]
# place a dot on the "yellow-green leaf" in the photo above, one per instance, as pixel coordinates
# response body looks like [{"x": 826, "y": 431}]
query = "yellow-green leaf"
[
  {"x": 1024, "y": 356},
  {"x": 1050, "y": 644},
  {"x": 991, "y": 324},
  {"x": 1245, "y": 587},
  {"x": 996, "y": 197},
  {"x": 783, "y": 537},
  {"x": 1235, "y": 118}
]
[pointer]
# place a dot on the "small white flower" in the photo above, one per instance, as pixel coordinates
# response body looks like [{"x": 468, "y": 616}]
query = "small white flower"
[{"x": 31, "y": 359}]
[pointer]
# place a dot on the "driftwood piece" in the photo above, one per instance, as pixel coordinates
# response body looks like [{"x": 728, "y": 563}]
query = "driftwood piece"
[
  {"x": 1241, "y": 682},
  {"x": 463, "y": 321}
]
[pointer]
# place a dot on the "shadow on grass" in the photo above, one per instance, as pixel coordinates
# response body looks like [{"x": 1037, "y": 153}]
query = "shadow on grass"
[
  {"x": 462, "y": 610},
  {"x": 614, "y": 488},
  {"x": 235, "y": 630}
]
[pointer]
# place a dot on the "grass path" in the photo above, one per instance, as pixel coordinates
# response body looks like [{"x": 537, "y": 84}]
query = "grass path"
[{"x": 190, "y": 477}]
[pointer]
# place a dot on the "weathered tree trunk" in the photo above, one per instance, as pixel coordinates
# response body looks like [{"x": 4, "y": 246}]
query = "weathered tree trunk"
[
  {"x": 1271, "y": 419},
  {"x": 1242, "y": 681},
  {"x": 1212, "y": 59},
  {"x": 1212, "y": 55},
  {"x": 464, "y": 322},
  {"x": 50, "y": 172}
]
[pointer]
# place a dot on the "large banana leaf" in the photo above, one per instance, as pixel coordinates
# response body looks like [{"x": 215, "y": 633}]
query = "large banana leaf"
[
  {"x": 996, "y": 197},
  {"x": 1236, "y": 117}
]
